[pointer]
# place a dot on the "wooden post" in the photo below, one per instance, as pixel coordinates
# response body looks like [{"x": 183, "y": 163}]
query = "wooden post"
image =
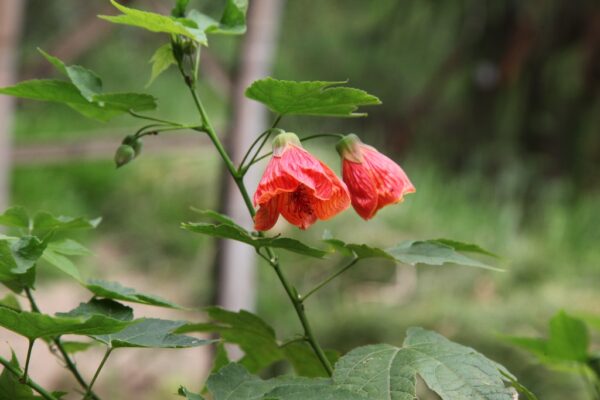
[
  {"x": 236, "y": 262},
  {"x": 11, "y": 16}
]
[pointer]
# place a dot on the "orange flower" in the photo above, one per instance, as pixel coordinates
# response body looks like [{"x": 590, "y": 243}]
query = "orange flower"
[
  {"x": 374, "y": 181},
  {"x": 298, "y": 186}
]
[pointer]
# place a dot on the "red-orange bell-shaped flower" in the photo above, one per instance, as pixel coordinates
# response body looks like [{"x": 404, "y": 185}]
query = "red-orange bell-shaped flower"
[
  {"x": 298, "y": 186},
  {"x": 374, "y": 180}
]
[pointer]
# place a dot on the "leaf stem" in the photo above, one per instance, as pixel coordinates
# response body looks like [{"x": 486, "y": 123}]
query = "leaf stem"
[
  {"x": 239, "y": 181},
  {"x": 106, "y": 355},
  {"x": 27, "y": 360},
  {"x": 27, "y": 381},
  {"x": 329, "y": 279},
  {"x": 146, "y": 117},
  {"x": 69, "y": 363}
]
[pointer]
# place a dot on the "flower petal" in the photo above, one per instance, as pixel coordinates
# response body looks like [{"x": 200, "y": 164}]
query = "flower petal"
[
  {"x": 267, "y": 214},
  {"x": 339, "y": 200},
  {"x": 362, "y": 188},
  {"x": 297, "y": 209}
]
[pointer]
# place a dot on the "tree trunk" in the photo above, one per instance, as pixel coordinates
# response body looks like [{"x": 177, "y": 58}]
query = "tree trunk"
[
  {"x": 11, "y": 15},
  {"x": 236, "y": 262}
]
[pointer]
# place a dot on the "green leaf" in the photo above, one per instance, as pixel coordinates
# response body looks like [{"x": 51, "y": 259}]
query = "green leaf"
[
  {"x": 44, "y": 222},
  {"x": 116, "y": 291},
  {"x": 465, "y": 247},
  {"x": 72, "y": 347},
  {"x": 62, "y": 263},
  {"x": 221, "y": 357},
  {"x": 431, "y": 252},
  {"x": 453, "y": 371},
  {"x": 10, "y": 301},
  {"x": 105, "y": 307},
  {"x": 46, "y": 90},
  {"x": 310, "y": 98},
  {"x": 233, "y": 20},
  {"x": 234, "y": 382},
  {"x": 35, "y": 325},
  {"x": 235, "y": 232},
  {"x": 254, "y": 336},
  {"x": 183, "y": 392},
  {"x": 151, "y": 333},
  {"x": 156, "y": 23},
  {"x": 569, "y": 339},
  {"x": 180, "y": 7},
  {"x": 69, "y": 247},
  {"x": 17, "y": 261},
  {"x": 305, "y": 362},
  {"x": 10, "y": 386},
  {"x": 88, "y": 83},
  {"x": 15, "y": 217},
  {"x": 161, "y": 61},
  {"x": 126, "y": 101}
]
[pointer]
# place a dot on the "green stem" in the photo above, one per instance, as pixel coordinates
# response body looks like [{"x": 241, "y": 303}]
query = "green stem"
[
  {"x": 68, "y": 361},
  {"x": 170, "y": 129},
  {"x": 329, "y": 279},
  {"x": 239, "y": 181},
  {"x": 27, "y": 360},
  {"x": 27, "y": 381},
  {"x": 106, "y": 355},
  {"x": 148, "y": 118},
  {"x": 304, "y": 139}
]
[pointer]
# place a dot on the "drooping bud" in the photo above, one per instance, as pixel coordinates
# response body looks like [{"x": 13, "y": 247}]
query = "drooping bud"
[
  {"x": 348, "y": 148},
  {"x": 281, "y": 141},
  {"x": 124, "y": 154},
  {"x": 134, "y": 142}
]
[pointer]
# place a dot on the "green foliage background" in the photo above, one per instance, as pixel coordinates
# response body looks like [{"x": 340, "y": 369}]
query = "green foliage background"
[{"x": 490, "y": 106}]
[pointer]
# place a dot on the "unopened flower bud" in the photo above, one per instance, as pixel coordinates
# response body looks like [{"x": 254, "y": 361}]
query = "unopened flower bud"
[{"x": 124, "y": 154}]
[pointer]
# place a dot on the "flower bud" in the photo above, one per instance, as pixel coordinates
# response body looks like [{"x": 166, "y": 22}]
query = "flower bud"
[
  {"x": 134, "y": 142},
  {"x": 124, "y": 154},
  {"x": 281, "y": 141}
]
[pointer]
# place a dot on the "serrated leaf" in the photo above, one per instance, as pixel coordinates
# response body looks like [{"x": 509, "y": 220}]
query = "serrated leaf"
[
  {"x": 15, "y": 217},
  {"x": 234, "y": 382},
  {"x": 36, "y": 325},
  {"x": 116, "y": 291},
  {"x": 105, "y": 307},
  {"x": 10, "y": 386},
  {"x": 235, "y": 232},
  {"x": 44, "y": 222},
  {"x": 310, "y": 98},
  {"x": 254, "y": 336},
  {"x": 161, "y": 61},
  {"x": 156, "y": 23},
  {"x": 412, "y": 252},
  {"x": 86, "y": 81},
  {"x": 453, "y": 371},
  {"x": 151, "y": 333},
  {"x": 305, "y": 362}
]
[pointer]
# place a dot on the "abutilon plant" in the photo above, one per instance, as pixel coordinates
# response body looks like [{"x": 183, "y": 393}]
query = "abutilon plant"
[{"x": 295, "y": 185}]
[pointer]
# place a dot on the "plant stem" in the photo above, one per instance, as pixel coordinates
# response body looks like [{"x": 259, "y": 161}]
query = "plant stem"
[
  {"x": 146, "y": 117},
  {"x": 70, "y": 364},
  {"x": 329, "y": 279},
  {"x": 27, "y": 360},
  {"x": 106, "y": 355},
  {"x": 27, "y": 381},
  {"x": 239, "y": 181}
]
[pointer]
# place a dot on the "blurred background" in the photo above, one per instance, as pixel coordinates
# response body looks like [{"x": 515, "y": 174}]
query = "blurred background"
[{"x": 491, "y": 107}]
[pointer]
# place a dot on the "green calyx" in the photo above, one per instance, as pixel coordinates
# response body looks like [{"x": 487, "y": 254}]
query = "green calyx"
[
  {"x": 124, "y": 154},
  {"x": 281, "y": 141},
  {"x": 349, "y": 148}
]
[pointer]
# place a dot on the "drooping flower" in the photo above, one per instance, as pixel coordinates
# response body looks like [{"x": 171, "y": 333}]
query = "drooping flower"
[
  {"x": 298, "y": 186},
  {"x": 374, "y": 180}
]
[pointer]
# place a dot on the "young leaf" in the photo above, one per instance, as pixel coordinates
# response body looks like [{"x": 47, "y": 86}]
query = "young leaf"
[
  {"x": 254, "y": 336},
  {"x": 156, "y": 23},
  {"x": 235, "y": 232},
  {"x": 62, "y": 263},
  {"x": 233, "y": 20},
  {"x": 151, "y": 333},
  {"x": 15, "y": 217},
  {"x": 115, "y": 291},
  {"x": 44, "y": 222},
  {"x": 10, "y": 386},
  {"x": 88, "y": 83},
  {"x": 569, "y": 338},
  {"x": 310, "y": 98},
  {"x": 183, "y": 392},
  {"x": 161, "y": 61},
  {"x": 19, "y": 257},
  {"x": 69, "y": 247},
  {"x": 35, "y": 325},
  {"x": 453, "y": 371}
]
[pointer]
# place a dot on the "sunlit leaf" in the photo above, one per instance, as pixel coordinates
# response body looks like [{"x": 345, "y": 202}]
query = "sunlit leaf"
[
  {"x": 156, "y": 23},
  {"x": 116, "y": 291},
  {"x": 310, "y": 98},
  {"x": 161, "y": 61}
]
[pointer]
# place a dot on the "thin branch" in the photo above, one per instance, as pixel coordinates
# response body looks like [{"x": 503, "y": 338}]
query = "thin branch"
[
  {"x": 27, "y": 381},
  {"x": 329, "y": 279}
]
